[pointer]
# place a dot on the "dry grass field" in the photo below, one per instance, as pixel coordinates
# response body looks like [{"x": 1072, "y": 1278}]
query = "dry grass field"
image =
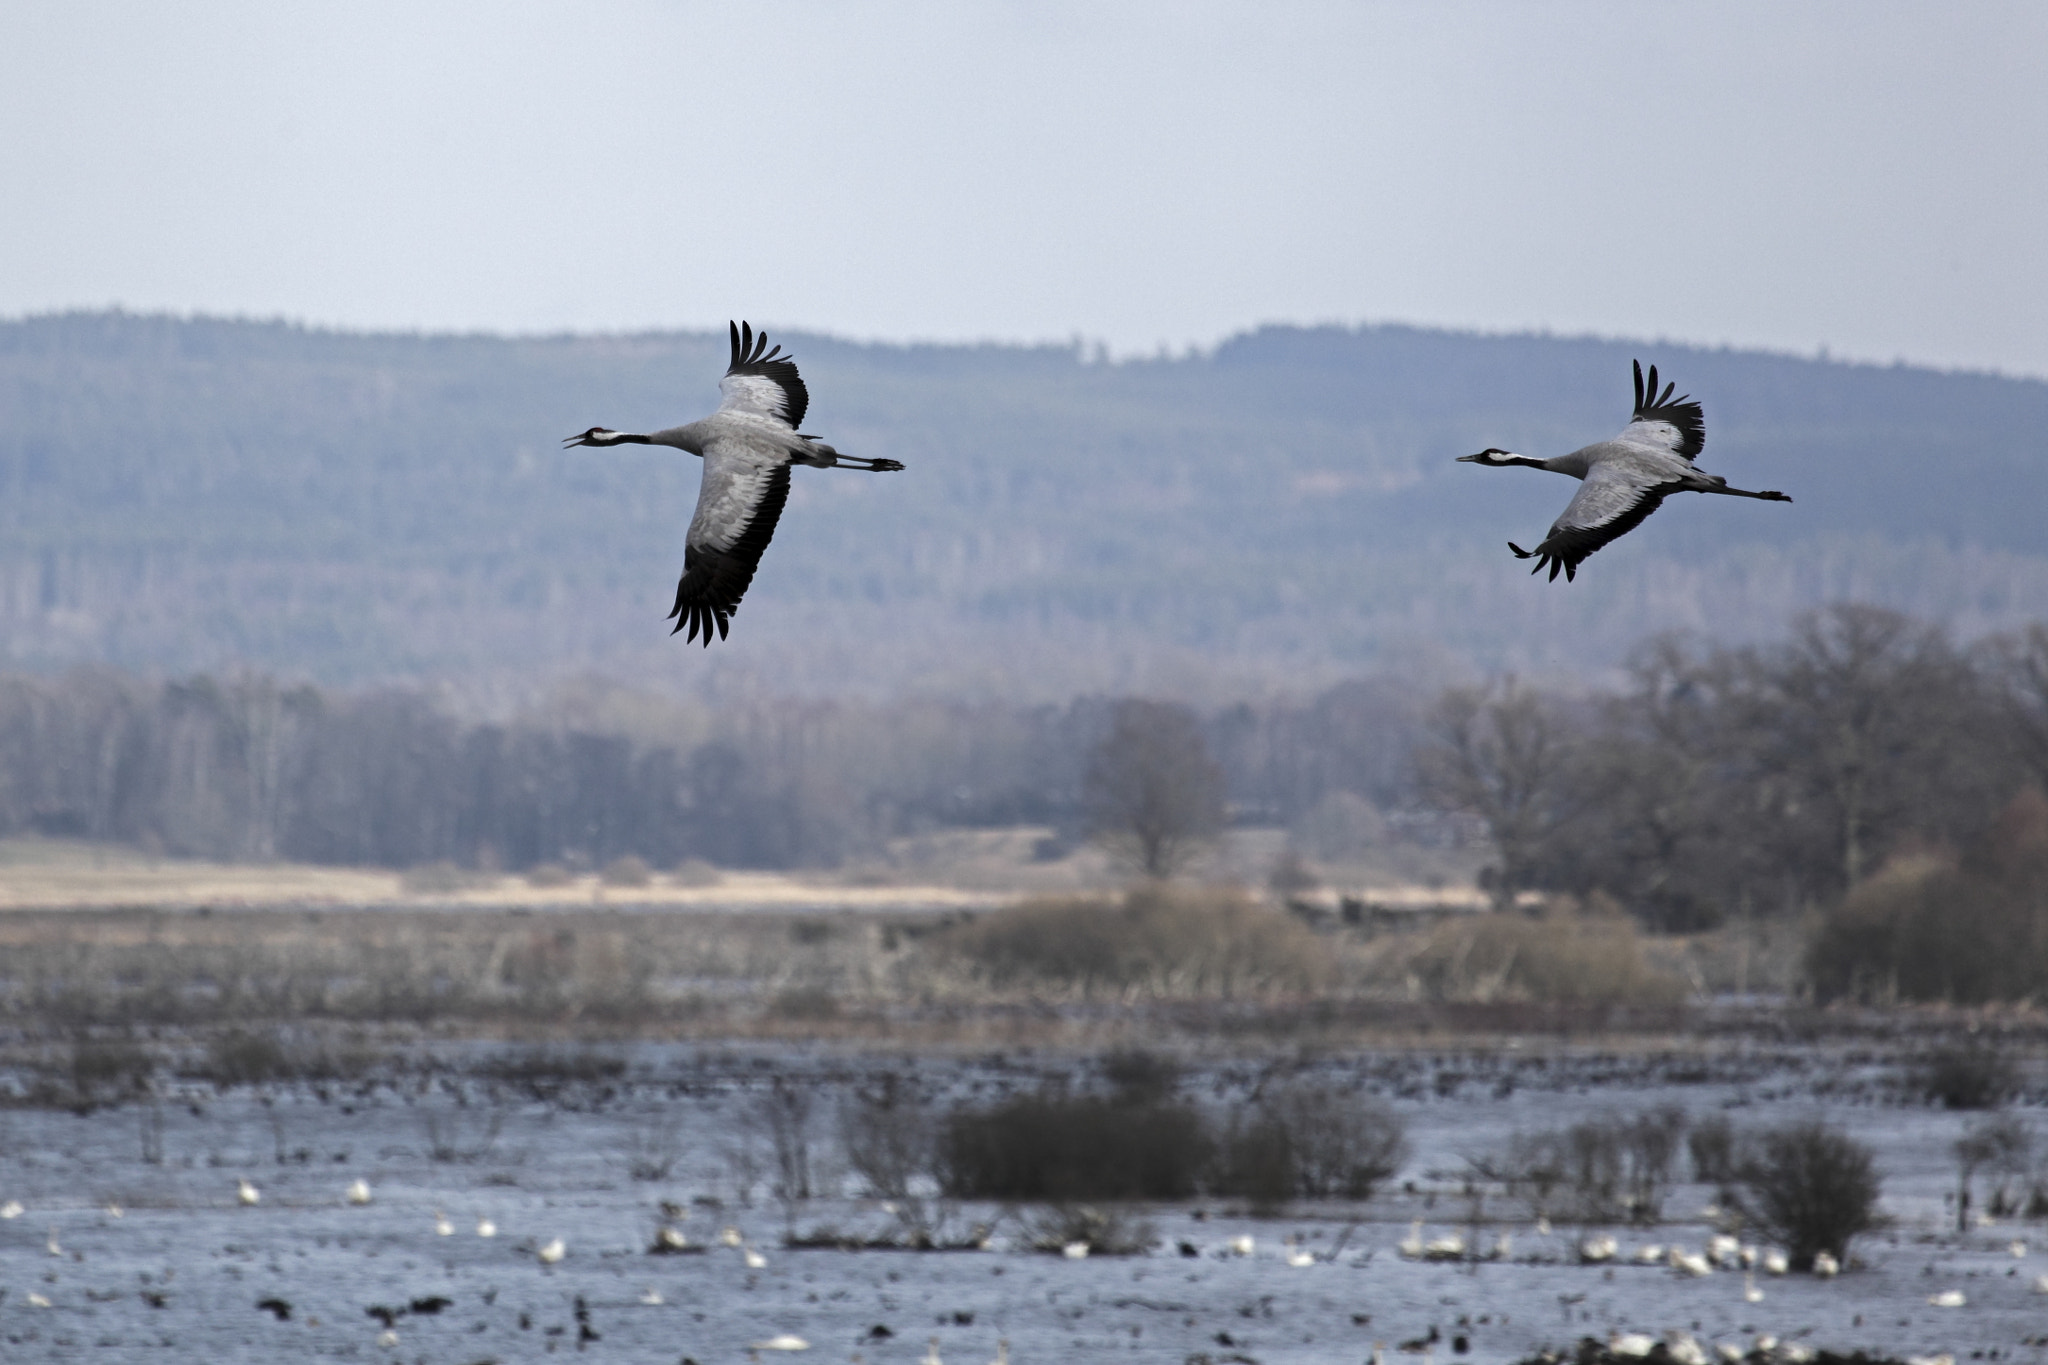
[
  {"x": 97, "y": 941},
  {"x": 56, "y": 874}
]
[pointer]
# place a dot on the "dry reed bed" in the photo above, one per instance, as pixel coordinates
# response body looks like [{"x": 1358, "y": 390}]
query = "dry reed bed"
[{"x": 1207, "y": 960}]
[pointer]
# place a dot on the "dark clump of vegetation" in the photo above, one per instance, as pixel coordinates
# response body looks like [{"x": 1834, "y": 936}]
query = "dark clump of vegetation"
[
  {"x": 805, "y": 1004},
  {"x": 1711, "y": 1145},
  {"x": 2001, "y": 1146},
  {"x": 1053, "y": 1148},
  {"x": 107, "y": 1071},
  {"x": 1312, "y": 1142},
  {"x": 886, "y": 1137},
  {"x": 1969, "y": 1075},
  {"x": 1142, "y": 1142},
  {"x": 1927, "y": 929},
  {"x": 1105, "y": 1232},
  {"x": 1615, "y": 1168},
  {"x": 1810, "y": 1187},
  {"x": 244, "y": 1058},
  {"x": 1160, "y": 941},
  {"x": 547, "y": 1073}
]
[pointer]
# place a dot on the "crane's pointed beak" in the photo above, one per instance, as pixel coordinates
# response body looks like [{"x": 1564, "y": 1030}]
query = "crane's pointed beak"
[{"x": 1472, "y": 459}]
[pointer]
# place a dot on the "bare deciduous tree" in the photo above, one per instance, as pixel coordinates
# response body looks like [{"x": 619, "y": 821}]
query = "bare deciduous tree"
[
  {"x": 1500, "y": 753},
  {"x": 1154, "y": 796}
]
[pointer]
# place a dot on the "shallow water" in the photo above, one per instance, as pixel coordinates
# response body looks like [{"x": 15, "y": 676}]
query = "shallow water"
[{"x": 549, "y": 1161}]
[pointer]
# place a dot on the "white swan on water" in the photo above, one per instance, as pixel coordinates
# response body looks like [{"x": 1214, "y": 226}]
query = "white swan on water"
[{"x": 247, "y": 1193}]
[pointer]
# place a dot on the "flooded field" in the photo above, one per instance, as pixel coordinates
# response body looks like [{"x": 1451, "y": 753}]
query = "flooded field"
[{"x": 134, "y": 1238}]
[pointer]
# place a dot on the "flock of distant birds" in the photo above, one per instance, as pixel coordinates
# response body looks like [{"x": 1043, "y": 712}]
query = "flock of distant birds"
[
  {"x": 749, "y": 444},
  {"x": 1722, "y": 1252}
]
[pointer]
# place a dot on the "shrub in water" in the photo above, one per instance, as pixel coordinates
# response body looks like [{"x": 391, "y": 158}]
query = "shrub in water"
[
  {"x": 1615, "y": 1168},
  {"x": 1711, "y": 1144},
  {"x": 2001, "y": 1146},
  {"x": 1105, "y": 1232},
  {"x": 1053, "y": 1147},
  {"x": 1316, "y": 1143},
  {"x": 1812, "y": 1188},
  {"x": 1971, "y": 1075},
  {"x": 886, "y": 1136}
]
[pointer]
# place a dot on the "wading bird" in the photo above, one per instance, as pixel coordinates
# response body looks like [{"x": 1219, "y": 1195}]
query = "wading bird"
[
  {"x": 747, "y": 446},
  {"x": 1623, "y": 480}
]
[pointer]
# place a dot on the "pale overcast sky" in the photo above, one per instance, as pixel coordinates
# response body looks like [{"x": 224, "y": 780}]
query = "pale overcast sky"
[{"x": 1868, "y": 177}]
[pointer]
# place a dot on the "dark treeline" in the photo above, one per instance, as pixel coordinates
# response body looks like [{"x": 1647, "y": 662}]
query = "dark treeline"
[
  {"x": 1755, "y": 780},
  {"x": 1719, "y": 782}
]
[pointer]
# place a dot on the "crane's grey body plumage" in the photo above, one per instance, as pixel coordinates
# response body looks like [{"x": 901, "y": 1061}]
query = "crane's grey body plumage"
[
  {"x": 748, "y": 446},
  {"x": 1623, "y": 480}
]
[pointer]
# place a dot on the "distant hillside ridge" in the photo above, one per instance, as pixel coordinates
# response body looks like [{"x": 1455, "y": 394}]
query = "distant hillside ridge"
[{"x": 195, "y": 494}]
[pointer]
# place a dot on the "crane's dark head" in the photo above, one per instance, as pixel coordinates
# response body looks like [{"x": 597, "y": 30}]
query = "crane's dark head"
[
  {"x": 1490, "y": 455},
  {"x": 602, "y": 436}
]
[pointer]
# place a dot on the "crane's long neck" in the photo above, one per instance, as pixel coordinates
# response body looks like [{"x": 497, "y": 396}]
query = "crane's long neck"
[{"x": 690, "y": 436}]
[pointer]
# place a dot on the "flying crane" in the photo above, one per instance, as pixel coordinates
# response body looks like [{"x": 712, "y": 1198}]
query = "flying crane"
[
  {"x": 1623, "y": 480},
  {"x": 748, "y": 446}
]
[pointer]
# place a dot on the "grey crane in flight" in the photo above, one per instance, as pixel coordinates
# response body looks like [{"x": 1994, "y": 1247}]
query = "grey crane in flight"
[
  {"x": 1622, "y": 480},
  {"x": 747, "y": 446}
]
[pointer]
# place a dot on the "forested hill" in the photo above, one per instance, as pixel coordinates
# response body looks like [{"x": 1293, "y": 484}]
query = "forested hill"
[{"x": 177, "y": 495}]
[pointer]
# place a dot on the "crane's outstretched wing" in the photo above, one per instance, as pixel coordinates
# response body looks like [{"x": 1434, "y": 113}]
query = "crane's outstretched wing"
[
  {"x": 762, "y": 381},
  {"x": 1677, "y": 426},
  {"x": 737, "y": 507},
  {"x": 1609, "y": 504}
]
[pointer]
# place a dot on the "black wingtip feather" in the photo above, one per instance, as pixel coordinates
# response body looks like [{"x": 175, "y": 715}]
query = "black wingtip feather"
[
  {"x": 1683, "y": 413},
  {"x": 751, "y": 355}
]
